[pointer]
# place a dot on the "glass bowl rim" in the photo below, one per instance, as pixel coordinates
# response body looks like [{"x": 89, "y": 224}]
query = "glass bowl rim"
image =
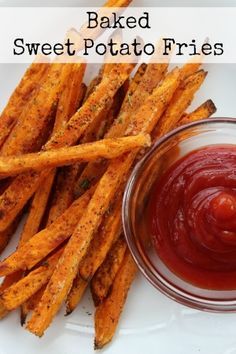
[{"x": 158, "y": 281}]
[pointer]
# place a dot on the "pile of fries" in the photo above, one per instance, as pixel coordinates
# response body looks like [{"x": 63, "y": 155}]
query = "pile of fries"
[{"x": 67, "y": 151}]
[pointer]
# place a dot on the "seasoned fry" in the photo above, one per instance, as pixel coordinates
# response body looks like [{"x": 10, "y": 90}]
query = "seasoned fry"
[
  {"x": 20, "y": 97},
  {"x": 40, "y": 245},
  {"x": 36, "y": 212},
  {"x": 63, "y": 193},
  {"x": 105, "y": 275},
  {"x": 106, "y": 235},
  {"x": 204, "y": 111},
  {"x": 181, "y": 100},
  {"x": 78, "y": 244},
  {"x": 30, "y": 304},
  {"x": 71, "y": 97},
  {"x": 21, "y": 291},
  {"x": 11, "y": 202},
  {"x": 77, "y": 290},
  {"x": 32, "y": 121},
  {"x": 108, "y": 312},
  {"x": 108, "y": 232},
  {"x": 190, "y": 68},
  {"x": 6, "y": 235},
  {"x": 106, "y": 148},
  {"x": 90, "y": 176}
]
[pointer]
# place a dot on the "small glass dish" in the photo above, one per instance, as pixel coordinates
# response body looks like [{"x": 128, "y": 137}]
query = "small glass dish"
[{"x": 162, "y": 155}]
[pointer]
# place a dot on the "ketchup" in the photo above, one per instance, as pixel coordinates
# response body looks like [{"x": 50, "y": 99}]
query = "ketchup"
[{"x": 192, "y": 217}]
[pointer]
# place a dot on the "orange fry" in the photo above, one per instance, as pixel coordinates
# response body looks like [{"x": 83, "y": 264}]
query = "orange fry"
[{"x": 109, "y": 311}]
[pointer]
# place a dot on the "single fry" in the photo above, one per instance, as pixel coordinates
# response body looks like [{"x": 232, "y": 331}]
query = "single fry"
[
  {"x": 3, "y": 310},
  {"x": 190, "y": 68},
  {"x": 105, "y": 275},
  {"x": 21, "y": 291},
  {"x": 63, "y": 276},
  {"x": 26, "y": 88},
  {"x": 108, "y": 232},
  {"x": 30, "y": 304},
  {"x": 71, "y": 97},
  {"x": 89, "y": 177},
  {"x": 181, "y": 100},
  {"x": 40, "y": 245},
  {"x": 77, "y": 290},
  {"x": 6, "y": 235},
  {"x": 36, "y": 211},
  {"x": 108, "y": 312},
  {"x": 63, "y": 193},
  {"x": 107, "y": 148},
  {"x": 204, "y": 111}
]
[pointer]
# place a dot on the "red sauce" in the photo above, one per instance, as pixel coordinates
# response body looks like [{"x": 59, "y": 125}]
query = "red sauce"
[{"x": 192, "y": 216}]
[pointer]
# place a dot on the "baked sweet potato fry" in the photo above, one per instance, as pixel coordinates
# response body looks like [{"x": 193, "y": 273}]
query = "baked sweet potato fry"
[
  {"x": 190, "y": 68},
  {"x": 75, "y": 295},
  {"x": 105, "y": 275},
  {"x": 78, "y": 244},
  {"x": 20, "y": 97},
  {"x": 108, "y": 312},
  {"x": 106, "y": 148},
  {"x": 30, "y": 304},
  {"x": 108, "y": 232},
  {"x": 22, "y": 290},
  {"x": 40, "y": 245},
  {"x": 181, "y": 100},
  {"x": 6, "y": 235},
  {"x": 204, "y": 111},
  {"x": 63, "y": 192}
]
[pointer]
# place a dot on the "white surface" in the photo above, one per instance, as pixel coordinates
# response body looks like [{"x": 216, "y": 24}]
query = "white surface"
[{"x": 151, "y": 323}]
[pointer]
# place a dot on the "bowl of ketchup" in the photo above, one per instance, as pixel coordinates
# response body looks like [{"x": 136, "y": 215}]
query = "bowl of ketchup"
[{"x": 179, "y": 215}]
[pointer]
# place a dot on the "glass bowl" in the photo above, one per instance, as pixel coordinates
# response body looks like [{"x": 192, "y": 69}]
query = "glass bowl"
[{"x": 135, "y": 203}]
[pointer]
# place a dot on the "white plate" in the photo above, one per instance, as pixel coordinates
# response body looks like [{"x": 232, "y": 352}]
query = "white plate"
[{"x": 151, "y": 322}]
